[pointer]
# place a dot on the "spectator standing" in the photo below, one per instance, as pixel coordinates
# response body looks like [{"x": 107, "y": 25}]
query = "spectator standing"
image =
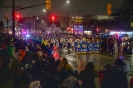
[
  {"x": 70, "y": 82},
  {"x": 15, "y": 69},
  {"x": 115, "y": 47},
  {"x": 114, "y": 77},
  {"x": 64, "y": 69},
  {"x": 87, "y": 76}
]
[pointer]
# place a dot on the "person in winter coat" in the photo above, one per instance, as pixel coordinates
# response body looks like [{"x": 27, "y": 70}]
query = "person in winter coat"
[
  {"x": 64, "y": 69},
  {"x": 87, "y": 76},
  {"x": 71, "y": 81},
  {"x": 114, "y": 77},
  {"x": 15, "y": 70},
  {"x": 10, "y": 50}
]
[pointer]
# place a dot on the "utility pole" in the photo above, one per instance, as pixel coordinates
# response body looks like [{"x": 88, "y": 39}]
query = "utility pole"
[
  {"x": 13, "y": 19},
  {"x": 7, "y": 21}
]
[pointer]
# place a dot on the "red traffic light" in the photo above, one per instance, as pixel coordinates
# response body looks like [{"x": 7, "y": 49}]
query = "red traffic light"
[
  {"x": 53, "y": 18},
  {"x": 17, "y": 16}
]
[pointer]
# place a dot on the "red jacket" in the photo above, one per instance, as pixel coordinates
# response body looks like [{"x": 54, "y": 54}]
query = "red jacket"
[
  {"x": 101, "y": 77},
  {"x": 131, "y": 83}
]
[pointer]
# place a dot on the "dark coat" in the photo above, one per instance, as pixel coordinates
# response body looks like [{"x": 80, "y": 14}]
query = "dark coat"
[
  {"x": 114, "y": 78},
  {"x": 87, "y": 79}
]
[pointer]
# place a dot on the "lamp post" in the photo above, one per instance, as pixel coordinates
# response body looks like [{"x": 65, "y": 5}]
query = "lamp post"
[{"x": 78, "y": 12}]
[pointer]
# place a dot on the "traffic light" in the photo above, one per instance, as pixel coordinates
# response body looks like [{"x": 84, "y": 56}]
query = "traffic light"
[
  {"x": 109, "y": 7},
  {"x": 97, "y": 30},
  {"x": 17, "y": 16},
  {"x": 53, "y": 18},
  {"x": 48, "y": 4}
]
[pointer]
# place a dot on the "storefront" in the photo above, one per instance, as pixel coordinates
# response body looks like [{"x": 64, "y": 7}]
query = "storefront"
[
  {"x": 88, "y": 30},
  {"x": 78, "y": 29}
]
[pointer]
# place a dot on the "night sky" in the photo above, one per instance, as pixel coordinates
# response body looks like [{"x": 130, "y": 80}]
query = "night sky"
[{"x": 95, "y": 7}]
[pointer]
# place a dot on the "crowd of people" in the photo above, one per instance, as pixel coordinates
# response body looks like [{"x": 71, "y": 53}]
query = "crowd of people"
[
  {"x": 117, "y": 45},
  {"x": 27, "y": 61}
]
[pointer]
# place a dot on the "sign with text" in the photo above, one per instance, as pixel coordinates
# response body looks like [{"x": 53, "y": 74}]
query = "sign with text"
[
  {"x": 87, "y": 46},
  {"x": 78, "y": 29}
]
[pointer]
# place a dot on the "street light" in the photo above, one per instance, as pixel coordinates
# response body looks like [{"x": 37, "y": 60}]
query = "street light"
[
  {"x": 68, "y": 1},
  {"x": 44, "y": 10},
  {"x": 78, "y": 10}
]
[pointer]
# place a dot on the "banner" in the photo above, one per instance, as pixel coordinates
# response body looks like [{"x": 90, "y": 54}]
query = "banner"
[
  {"x": 84, "y": 47},
  {"x": 87, "y": 46},
  {"x": 77, "y": 47},
  {"x": 78, "y": 29}
]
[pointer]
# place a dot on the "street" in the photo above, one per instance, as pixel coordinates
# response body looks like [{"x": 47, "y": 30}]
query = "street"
[{"x": 79, "y": 62}]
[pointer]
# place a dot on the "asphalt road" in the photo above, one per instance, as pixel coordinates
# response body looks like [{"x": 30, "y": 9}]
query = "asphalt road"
[{"x": 79, "y": 62}]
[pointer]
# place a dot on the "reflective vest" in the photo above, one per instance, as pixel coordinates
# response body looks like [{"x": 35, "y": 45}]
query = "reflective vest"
[{"x": 44, "y": 43}]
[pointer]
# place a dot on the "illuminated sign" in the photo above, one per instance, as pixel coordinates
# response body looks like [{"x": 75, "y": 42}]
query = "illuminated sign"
[
  {"x": 78, "y": 29},
  {"x": 78, "y": 20},
  {"x": 77, "y": 17}
]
